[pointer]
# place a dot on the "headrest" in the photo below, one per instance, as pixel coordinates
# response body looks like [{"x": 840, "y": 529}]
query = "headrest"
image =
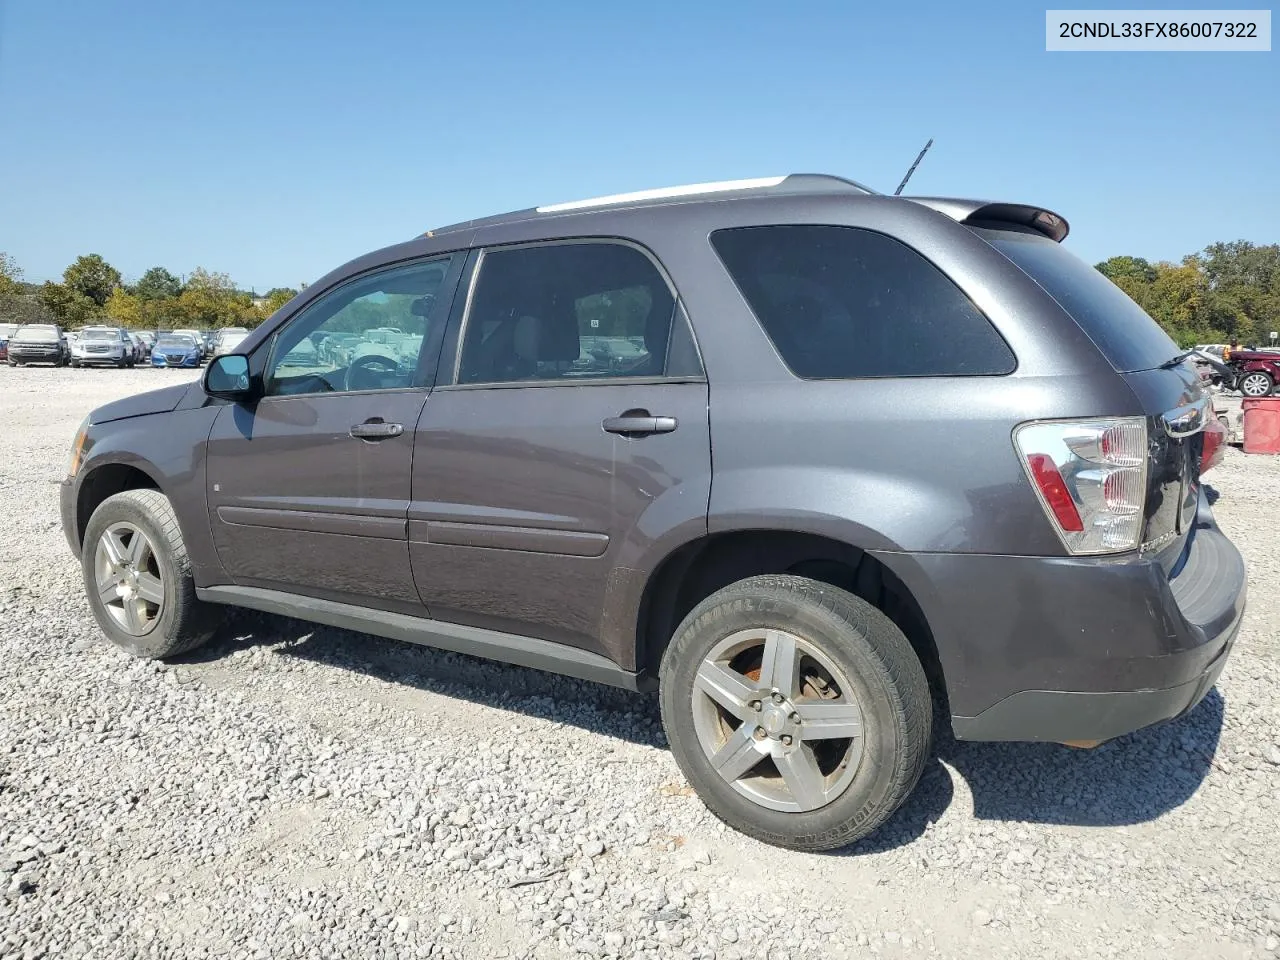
[{"x": 541, "y": 341}]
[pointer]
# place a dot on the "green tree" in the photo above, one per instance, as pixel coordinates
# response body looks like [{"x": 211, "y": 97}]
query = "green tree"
[
  {"x": 211, "y": 300},
  {"x": 157, "y": 284},
  {"x": 92, "y": 277},
  {"x": 275, "y": 298},
  {"x": 125, "y": 309},
  {"x": 10, "y": 275},
  {"x": 68, "y": 307}
]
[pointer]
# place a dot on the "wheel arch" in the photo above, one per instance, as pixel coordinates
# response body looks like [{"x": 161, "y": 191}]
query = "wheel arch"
[
  {"x": 701, "y": 566},
  {"x": 103, "y": 479}
]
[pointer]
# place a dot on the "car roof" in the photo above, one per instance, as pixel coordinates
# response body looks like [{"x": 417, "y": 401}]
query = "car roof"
[{"x": 963, "y": 210}]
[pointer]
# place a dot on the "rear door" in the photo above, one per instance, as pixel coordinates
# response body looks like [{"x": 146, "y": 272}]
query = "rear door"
[
  {"x": 308, "y": 487},
  {"x": 574, "y": 432}
]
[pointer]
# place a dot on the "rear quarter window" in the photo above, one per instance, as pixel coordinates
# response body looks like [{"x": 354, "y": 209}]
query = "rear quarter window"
[
  {"x": 846, "y": 303},
  {"x": 1124, "y": 332}
]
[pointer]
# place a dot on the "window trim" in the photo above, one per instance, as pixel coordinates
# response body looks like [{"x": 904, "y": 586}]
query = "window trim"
[
  {"x": 746, "y": 302},
  {"x": 455, "y": 259},
  {"x": 477, "y": 270}
]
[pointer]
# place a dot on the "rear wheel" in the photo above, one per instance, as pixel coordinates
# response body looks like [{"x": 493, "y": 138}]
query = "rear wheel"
[
  {"x": 138, "y": 577},
  {"x": 1257, "y": 384},
  {"x": 798, "y": 711}
]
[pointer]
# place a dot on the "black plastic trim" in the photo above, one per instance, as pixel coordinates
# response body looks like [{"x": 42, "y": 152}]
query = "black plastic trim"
[{"x": 477, "y": 642}]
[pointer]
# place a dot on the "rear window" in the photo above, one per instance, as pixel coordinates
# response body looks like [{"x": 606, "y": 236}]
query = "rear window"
[
  {"x": 1122, "y": 330},
  {"x": 843, "y": 303}
]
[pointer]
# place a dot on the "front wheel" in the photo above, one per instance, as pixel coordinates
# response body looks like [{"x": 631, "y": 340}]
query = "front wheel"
[
  {"x": 1257, "y": 384},
  {"x": 138, "y": 577},
  {"x": 798, "y": 711}
]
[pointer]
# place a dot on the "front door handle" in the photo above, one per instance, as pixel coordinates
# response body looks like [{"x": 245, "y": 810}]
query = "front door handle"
[
  {"x": 638, "y": 423},
  {"x": 375, "y": 428}
]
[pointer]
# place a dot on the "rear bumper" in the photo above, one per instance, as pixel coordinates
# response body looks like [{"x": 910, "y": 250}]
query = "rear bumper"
[{"x": 1067, "y": 649}]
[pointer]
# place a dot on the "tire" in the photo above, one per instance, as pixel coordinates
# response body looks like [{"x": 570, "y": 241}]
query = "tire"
[
  {"x": 1257, "y": 383},
  {"x": 75, "y": 364},
  {"x": 179, "y": 622},
  {"x": 878, "y": 682}
]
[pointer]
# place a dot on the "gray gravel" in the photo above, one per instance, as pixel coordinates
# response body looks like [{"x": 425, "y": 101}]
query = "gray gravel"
[{"x": 297, "y": 791}]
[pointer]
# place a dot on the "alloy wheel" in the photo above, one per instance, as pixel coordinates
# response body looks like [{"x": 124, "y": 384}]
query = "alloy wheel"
[
  {"x": 778, "y": 720},
  {"x": 129, "y": 578},
  {"x": 1256, "y": 385}
]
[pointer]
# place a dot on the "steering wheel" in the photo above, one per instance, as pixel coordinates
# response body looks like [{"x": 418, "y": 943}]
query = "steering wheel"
[{"x": 366, "y": 373}]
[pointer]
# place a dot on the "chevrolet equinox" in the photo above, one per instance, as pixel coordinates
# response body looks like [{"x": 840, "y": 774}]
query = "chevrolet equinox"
[{"x": 805, "y": 458}]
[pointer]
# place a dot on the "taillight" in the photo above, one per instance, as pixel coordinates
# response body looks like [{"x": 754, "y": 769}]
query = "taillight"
[
  {"x": 1091, "y": 477},
  {"x": 1213, "y": 444}
]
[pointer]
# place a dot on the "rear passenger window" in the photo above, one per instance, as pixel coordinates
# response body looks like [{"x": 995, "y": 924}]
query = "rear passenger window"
[
  {"x": 843, "y": 303},
  {"x": 567, "y": 311}
]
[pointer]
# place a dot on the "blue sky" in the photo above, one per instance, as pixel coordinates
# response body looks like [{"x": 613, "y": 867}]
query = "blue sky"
[{"x": 275, "y": 140}]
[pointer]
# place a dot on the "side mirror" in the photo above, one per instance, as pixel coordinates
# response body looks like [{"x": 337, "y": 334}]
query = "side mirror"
[{"x": 228, "y": 376}]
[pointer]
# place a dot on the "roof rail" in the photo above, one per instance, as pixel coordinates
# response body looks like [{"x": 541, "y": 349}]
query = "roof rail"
[
  {"x": 788, "y": 183},
  {"x": 663, "y": 193}
]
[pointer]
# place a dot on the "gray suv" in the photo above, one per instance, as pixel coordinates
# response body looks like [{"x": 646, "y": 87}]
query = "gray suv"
[{"x": 808, "y": 459}]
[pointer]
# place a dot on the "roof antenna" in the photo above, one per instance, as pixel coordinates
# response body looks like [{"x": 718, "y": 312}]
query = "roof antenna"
[{"x": 913, "y": 167}]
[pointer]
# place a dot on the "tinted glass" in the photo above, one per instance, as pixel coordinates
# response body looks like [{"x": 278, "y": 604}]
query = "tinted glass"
[
  {"x": 1122, "y": 330},
  {"x": 365, "y": 335},
  {"x": 844, "y": 303},
  {"x": 567, "y": 311}
]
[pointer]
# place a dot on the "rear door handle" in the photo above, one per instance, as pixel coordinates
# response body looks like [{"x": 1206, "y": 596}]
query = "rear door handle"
[
  {"x": 376, "y": 428},
  {"x": 639, "y": 425}
]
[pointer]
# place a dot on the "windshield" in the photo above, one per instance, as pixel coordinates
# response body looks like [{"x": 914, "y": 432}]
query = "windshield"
[
  {"x": 99, "y": 333},
  {"x": 176, "y": 340},
  {"x": 1122, "y": 330},
  {"x": 36, "y": 331}
]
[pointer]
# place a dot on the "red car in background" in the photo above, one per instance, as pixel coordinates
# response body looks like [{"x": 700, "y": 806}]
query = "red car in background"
[
  {"x": 1257, "y": 371},
  {"x": 6, "y": 331}
]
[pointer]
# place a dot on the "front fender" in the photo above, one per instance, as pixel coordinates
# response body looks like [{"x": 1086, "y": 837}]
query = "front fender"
[{"x": 170, "y": 449}]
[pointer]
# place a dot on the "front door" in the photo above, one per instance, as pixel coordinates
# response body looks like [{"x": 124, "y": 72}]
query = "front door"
[
  {"x": 308, "y": 487},
  {"x": 573, "y": 434}
]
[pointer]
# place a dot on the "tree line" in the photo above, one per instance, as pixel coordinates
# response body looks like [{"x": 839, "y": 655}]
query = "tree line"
[
  {"x": 92, "y": 291},
  {"x": 1228, "y": 290}
]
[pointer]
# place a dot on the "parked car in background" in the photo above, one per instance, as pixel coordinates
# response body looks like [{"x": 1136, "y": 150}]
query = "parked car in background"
[
  {"x": 6, "y": 331},
  {"x": 892, "y": 455},
  {"x": 176, "y": 349},
  {"x": 140, "y": 349},
  {"x": 1257, "y": 371},
  {"x": 38, "y": 343},
  {"x": 196, "y": 335},
  {"x": 148, "y": 338},
  {"x": 228, "y": 339},
  {"x": 103, "y": 345}
]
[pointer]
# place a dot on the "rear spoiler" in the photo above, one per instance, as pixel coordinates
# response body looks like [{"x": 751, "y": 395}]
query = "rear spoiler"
[{"x": 1044, "y": 221}]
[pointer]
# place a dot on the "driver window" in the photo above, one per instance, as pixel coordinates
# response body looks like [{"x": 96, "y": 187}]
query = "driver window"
[{"x": 365, "y": 335}]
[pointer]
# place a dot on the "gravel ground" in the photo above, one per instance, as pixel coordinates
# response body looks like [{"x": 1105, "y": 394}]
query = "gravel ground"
[{"x": 309, "y": 792}]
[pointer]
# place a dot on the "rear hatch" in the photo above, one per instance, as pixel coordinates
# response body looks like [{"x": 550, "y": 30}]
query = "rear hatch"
[{"x": 1171, "y": 394}]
